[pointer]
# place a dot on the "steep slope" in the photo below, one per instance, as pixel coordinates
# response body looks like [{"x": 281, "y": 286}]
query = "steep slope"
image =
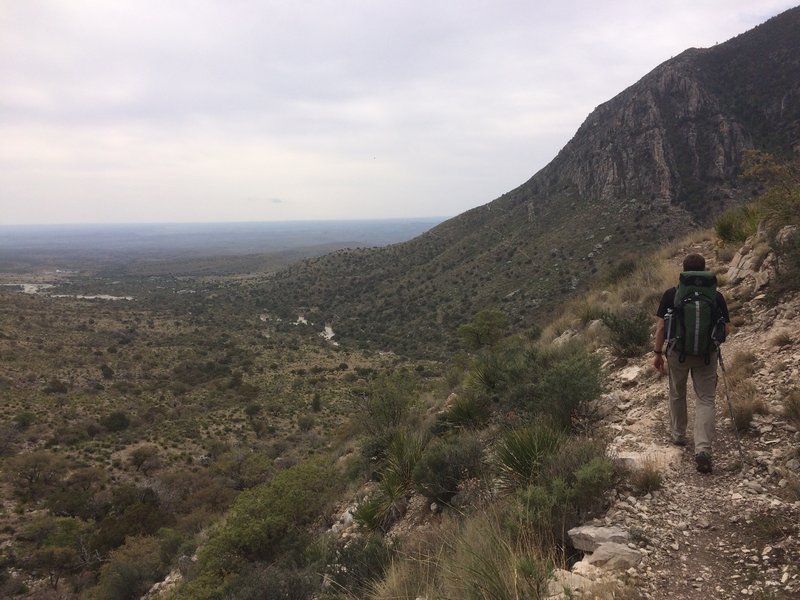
[{"x": 650, "y": 164}]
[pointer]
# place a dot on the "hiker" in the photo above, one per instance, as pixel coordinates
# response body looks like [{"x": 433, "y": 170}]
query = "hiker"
[{"x": 697, "y": 356}]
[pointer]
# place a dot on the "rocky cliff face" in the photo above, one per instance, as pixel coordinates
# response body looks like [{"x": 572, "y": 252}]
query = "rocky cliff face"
[{"x": 679, "y": 133}]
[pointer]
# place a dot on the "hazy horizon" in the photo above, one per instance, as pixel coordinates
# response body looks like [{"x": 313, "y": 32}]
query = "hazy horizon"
[
  {"x": 432, "y": 218},
  {"x": 146, "y": 112},
  {"x": 64, "y": 244}
]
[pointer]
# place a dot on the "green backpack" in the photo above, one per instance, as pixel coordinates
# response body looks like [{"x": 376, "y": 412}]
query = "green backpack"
[{"x": 692, "y": 321}]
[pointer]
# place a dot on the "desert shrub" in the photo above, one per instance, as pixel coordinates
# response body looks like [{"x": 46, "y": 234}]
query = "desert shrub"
[
  {"x": 488, "y": 328},
  {"x": 444, "y": 465},
  {"x": 243, "y": 469},
  {"x": 387, "y": 402},
  {"x": 9, "y": 435},
  {"x": 355, "y": 565},
  {"x": 550, "y": 381},
  {"x": 77, "y": 495},
  {"x": 621, "y": 270},
  {"x": 55, "y": 386},
  {"x": 489, "y": 373},
  {"x": 145, "y": 458},
  {"x": 116, "y": 421},
  {"x": 571, "y": 377},
  {"x": 791, "y": 405},
  {"x": 50, "y": 546},
  {"x": 630, "y": 331},
  {"x": 268, "y": 521},
  {"x": 170, "y": 543},
  {"x": 132, "y": 511},
  {"x": 34, "y": 475},
  {"x": 571, "y": 486},
  {"x": 737, "y": 224},
  {"x": 270, "y": 582},
  {"x": 521, "y": 453},
  {"x": 305, "y": 422},
  {"x": 24, "y": 419},
  {"x": 130, "y": 570},
  {"x": 741, "y": 367}
]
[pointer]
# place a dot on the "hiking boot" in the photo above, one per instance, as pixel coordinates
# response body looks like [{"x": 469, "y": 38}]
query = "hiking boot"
[
  {"x": 679, "y": 442},
  {"x": 703, "y": 460}
]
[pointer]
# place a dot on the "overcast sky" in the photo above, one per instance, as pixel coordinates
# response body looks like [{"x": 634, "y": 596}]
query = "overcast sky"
[{"x": 232, "y": 110}]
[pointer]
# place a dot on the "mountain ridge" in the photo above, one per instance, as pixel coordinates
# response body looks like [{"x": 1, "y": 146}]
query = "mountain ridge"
[{"x": 659, "y": 159}]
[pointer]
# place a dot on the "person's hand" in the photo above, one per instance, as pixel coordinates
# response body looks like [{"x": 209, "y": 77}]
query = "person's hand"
[{"x": 658, "y": 364}]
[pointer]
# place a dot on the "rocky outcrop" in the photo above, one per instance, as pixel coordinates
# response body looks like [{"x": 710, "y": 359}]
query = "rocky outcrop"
[{"x": 678, "y": 134}]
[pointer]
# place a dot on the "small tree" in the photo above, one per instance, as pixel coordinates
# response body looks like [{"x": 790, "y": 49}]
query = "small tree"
[{"x": 488, "y": 328}]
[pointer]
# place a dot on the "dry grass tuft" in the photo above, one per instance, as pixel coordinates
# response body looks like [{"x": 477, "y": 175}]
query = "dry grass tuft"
[
  {"x": 781, "y": 338},
  {"x": 646, "y": 477},
  {"x": 791, "y": 406}
]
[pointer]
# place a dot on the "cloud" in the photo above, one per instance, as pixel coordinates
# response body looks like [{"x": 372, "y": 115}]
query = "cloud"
[{"x": 181, "y": 111}]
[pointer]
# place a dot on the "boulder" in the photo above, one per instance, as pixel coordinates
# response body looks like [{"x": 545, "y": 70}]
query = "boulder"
[
  {"x": 589, "y": 537},
  {"x": 565, "y": 583},
  {"x": 611, "y": 555}
]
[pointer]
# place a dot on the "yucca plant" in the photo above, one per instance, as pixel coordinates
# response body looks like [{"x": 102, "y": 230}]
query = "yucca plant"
[
  {"x": 382, "y": 510},
  {"x": 405, "y": 450},
  {"x": 521, "y": 454},
  {"x": 470, "y": 410}
]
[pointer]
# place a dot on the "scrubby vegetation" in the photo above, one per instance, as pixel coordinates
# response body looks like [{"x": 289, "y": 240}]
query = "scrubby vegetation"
[{"x": 135, "y": 436}]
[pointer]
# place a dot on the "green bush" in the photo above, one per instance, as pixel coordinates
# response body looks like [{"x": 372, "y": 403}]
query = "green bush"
[
  {"x": 116, "y": 421},
  {"x": 630, "y": 331},
  {"x": 489, "y": 373},
  {"x": 269, "y": 521},
  {"x": 359, "y": 562},
  {"x": 444, "y": 465},
  {"x": 24, "y": 419},
  {"x": 621, "y": 270},
  {"x": 271, "y": 582},
  {"x": 487, "y": 329},
  {"x": 387, "y": 403},
  {"x": 55, "y": 386},
  {"x": 737, "y": 224},
  {"x": 570, "y": 378},
  {"x": 130, "y": 570},
  {"x": 571, "y": 486}
]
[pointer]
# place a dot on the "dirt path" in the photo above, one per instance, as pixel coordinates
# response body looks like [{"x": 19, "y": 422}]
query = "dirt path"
[{"x": 732, "y": 534}]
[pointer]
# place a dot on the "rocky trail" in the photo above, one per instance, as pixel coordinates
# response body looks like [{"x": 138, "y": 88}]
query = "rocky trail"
[{"x": 732, "y": 534}]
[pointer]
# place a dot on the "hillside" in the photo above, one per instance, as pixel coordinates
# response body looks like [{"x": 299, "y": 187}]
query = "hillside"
[
  {"x": 645, "y": 167},
  {"x": 544, "y": 469}
]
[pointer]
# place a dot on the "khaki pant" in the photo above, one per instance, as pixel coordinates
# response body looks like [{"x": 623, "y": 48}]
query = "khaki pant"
[{"x": 704, "y": 381}]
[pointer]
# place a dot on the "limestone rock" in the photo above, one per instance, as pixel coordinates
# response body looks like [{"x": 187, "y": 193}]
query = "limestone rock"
[
  {"x": 589, "y": 537},
  {"x": 611, "y": 555},
  {"x": 564, "y": 580}
]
